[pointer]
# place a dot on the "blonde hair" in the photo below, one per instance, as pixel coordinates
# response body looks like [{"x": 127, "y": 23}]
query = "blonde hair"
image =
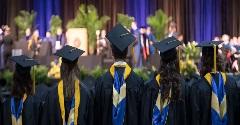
[{"x": 33, "y": 38}]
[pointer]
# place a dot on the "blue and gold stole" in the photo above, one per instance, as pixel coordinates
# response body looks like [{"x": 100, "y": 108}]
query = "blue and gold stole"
[
  {"x": 218, "y": 101},
  {"x": 119, "y": 93},
  {"x": 17, "y": 115},
  {"x": 161, "y": 108},
  {"x": 73, "y": 115}
]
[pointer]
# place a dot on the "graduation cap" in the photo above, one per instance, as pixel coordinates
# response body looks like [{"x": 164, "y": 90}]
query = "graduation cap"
[
  {"x": 23, "y": 62},
  {"x": 120, "y": 37},
  {"x": 167, "y": 48},
  {"x": 209, "y": 46},
  {"x": 69, "y": 53}
]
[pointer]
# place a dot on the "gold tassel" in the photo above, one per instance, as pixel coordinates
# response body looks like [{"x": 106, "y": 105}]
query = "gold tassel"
[
  {"x": 215, "y": 59},
  {"x": 34, "y": 80}
]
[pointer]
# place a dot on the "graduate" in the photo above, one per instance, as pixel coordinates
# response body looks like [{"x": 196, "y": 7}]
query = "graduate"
[
  {"x": 215, "y": 97},
  {"x": 118, "y": 92},
  {"x": 22, "y": 108},
  {"x": 163, "y": 99},
  {"x": 70, "y": 102}
]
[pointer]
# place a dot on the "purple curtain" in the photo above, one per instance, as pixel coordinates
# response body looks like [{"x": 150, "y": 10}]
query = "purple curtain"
[
  {"x": 45, "y": 9},
  {"x": 207, "y": 19}
]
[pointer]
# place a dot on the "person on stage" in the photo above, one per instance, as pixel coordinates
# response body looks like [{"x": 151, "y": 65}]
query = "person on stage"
[
  {"x": 34, "y": 44},
  {"x": 118, "y": 92},
  {"x": 145, "y": 51},
  {"x": 151, "y": 38},
  {"x": 137, "y": 57},
  {"x": 70, "y": 102},
  {"x": 215, "y": 97},
  {"x": 172, "y": 30},
  {"x": 6, "y": 45},
  {"x": 163, "y": 101},
  {"x": 27, "y": 34},
  {"x": 60, "y": 40},
  {"x": 22, "y": 108}
]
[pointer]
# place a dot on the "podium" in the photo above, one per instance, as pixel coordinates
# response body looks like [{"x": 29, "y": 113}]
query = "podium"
[{"x": 77, "y": 37}]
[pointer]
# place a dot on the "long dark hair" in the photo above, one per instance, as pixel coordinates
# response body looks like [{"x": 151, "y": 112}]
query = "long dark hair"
[
  {"x": 207, "y": 61},
  {"x": 22, "y": 83},
  {"x": 170, "y": 77},
  {"x": 69, "y": 71}
]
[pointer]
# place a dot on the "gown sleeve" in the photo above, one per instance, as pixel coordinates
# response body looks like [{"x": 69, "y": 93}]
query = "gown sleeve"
[
  {"x": 146, "y": 105},
  {"x": 1, "y": 111},
  {"x": 90, "y": 108},
  {"x": 194, "y": 105},
  {"x": 43, "y": 119},
  {"x": 97, "y": 97},
  {"x": 233, "y": 101}
]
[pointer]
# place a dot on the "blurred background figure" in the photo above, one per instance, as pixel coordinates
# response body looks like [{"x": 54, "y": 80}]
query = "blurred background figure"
[
  {"x": 216, "y": 38},
  {"x": 225, "y": 39},
  {"x": 48, "y": 37},
  {"x": 1, "y": 50},
  {"x": 34, "y": 44},
  {"x": 172, "y": 30},
  {"x": 102, "y": 45},
  {"x": 144, "y": 44},
  {"x": 27, "y": 34},
  {"x": 151, "y": 39},
  {"x": 6, "y": 45},
  {"x": 137, "y": 57},
  {"x": 60, "y": 40}
]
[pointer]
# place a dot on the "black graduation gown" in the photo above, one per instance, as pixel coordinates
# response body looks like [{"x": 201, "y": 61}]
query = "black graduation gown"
[
  {"x": 189, "y": 82},
  {"x": 41, "y": 92},
  {"x": 177, "y": 112},
  {"x": 201, "y": 102},
  {"x": 30, "y": 114},
  {"x": 53, "y": 114},
  {"x": 104, "y": 103},
  {"x": 1, "y": 108}
]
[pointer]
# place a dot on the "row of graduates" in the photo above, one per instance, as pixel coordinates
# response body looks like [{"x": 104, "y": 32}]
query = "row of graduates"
[{"x": 120, "y": 97}]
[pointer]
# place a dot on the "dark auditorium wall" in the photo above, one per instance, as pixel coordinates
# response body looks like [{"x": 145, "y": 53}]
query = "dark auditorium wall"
[{"x": 196, "y": 19}]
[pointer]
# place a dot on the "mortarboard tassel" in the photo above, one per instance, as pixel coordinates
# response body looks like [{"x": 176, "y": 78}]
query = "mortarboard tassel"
[{"x": 215, "y": 59}]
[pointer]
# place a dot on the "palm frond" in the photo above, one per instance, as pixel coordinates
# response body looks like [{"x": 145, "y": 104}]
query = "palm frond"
[{"x": 158, "y": 22}]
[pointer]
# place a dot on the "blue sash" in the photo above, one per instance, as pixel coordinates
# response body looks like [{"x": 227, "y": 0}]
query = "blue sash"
[
  {"x": 218, "y": 101},
  {"x": 160, "y": 118},
  {"x": 71, "y": 113},
  {"x": 119, "y": 107},
  {"x": 161, "y": 108},
  {"x": 19, "y": 109},
  {"x": 17, "y": 115},
  {"x": 119, "y": 92}
]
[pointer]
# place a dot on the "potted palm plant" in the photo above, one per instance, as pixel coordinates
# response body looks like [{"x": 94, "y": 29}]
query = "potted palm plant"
[
  {"x": 87, "y": 17},
  {"x": 158, "y": 22},
  {"x": 55, "y": 23},
  {"x": 125, "y": 20},
  {"x": 24, "y": 20}
]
